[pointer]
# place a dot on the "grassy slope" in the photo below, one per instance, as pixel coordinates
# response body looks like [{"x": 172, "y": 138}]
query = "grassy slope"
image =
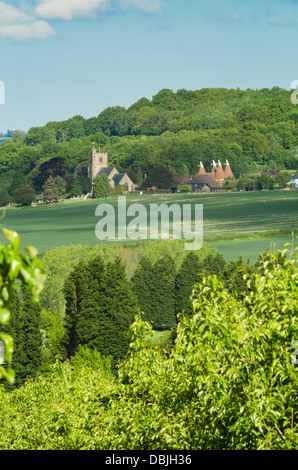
[{"x": 226, "y": 216}]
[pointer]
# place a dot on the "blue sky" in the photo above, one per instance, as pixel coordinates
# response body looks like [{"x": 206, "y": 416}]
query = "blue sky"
[{"x": 59, "y": 58}]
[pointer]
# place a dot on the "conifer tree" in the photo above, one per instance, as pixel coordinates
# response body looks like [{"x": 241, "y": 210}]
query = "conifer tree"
[
  {"x": 50, "y": 192},
  {"x": 187, "y": 276},
  {"x": 25, "y": 328},
  {"x": 60, "y": 186},
  {"x": 163, "y": 293},
  {"x": 141, "y": 285},
  {"x": 100, "y": 307},
  {"x": 101, "y": 187}
]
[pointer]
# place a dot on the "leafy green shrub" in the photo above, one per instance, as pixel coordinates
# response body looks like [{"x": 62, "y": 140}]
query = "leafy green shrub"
[{"x": 16, "y": 267}]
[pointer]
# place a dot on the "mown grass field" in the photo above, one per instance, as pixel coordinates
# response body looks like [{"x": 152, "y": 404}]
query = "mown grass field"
[{"x": 237, "y": 223}]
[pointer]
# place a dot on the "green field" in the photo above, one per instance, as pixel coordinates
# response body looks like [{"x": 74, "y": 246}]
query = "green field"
[{"x": 237, "y": 223}]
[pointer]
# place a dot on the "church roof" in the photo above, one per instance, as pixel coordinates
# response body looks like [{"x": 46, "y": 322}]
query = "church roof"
[
  {"x": 117, "y": 178},
  {"x": 105, "y": 171}
]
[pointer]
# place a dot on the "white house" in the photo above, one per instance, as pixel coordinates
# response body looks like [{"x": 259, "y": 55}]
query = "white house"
[{"x": 295, "y": 180}]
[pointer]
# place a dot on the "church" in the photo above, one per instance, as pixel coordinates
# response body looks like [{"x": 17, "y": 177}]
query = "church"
[
  {"x": 98, "y": 165},
  {"x": 206, "y": 182}
]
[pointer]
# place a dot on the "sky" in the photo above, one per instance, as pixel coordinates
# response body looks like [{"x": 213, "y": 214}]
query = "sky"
[{"x": 61, "y": 58}]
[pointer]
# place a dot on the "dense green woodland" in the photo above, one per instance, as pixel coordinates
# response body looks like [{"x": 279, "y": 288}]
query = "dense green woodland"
[{"x": 251, "y": 128}]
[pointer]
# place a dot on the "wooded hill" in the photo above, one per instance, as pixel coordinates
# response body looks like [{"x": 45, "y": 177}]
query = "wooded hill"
[{"x": 251, "y": 128}]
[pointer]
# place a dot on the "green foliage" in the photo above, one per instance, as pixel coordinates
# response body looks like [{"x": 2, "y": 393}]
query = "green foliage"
[
  {"x": 54, "y": 189},
  {"x": 228, "y": 382},
  {"x": 281, "y": 179},
  {"x": 86, "y": 357},
  {"x": 160, "y": 176},
  {"x": 175, "y": 130},
  {"x": 24, "y": 195},
  {"x": 265, "y": 181},
  {"x": 154, "y": 287},
  {"x": 185, "y": 188},
  {"x": 52, "y": 332},
  {"x": 25, "y": 329},
  {"x": 234, "y": 276},
  {"x": 142, "y": 287},
  {"x": 5, "y": 198},
  {"x": 16, "y": 266},
  {"x": 240, "y": 184},
  {"x": 163, "y": 293},
  {"x": 188, "y": 275},
  {"x": 100, "y": 307},
  {"x": 101, "y": 187}
]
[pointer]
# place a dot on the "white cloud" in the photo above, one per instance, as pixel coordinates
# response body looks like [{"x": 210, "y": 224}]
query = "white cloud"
[
  {"x": 23, "y": 23},
  {"x": 25, "y": 31},
  {"x": 18, "y": 25},
  {"x": 278, "y": 21},
  {"x": 68, "y": 9},
  {"x": 147, "y": 6}
]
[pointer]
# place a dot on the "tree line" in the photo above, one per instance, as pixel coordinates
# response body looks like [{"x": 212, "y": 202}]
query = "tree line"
[
  {"x": 253, "y": 129},
  {"x": 101, "y": 302},
  {"x": 227, "y": 383}
]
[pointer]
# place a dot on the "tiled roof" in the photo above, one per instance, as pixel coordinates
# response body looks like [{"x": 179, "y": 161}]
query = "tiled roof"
[
  {"x": 105, "y": 171},
  {"x": 117, "y": 178},
  {"x": 198, "y": 179}
]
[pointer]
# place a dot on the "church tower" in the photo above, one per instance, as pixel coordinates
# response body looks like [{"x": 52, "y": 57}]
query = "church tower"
[{"x": 97, "y": 161}]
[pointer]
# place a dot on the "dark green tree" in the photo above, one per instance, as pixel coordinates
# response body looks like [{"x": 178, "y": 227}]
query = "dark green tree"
[
  {"x": 100, "y": 307},
  {"x": 265, "y": 181},
  {"x": 24, "y": 195},
  {"x": 142, "y": 287},
  {"x": 213, "y": 263},
  {"x": 60, "y": 185},
  {"x": 19, "y": 179},
  {"x": 160, "y": 176},
  {"x": 4, "y": 198},
  {"x": 25, "y": 328},
  {"x": 187, "y": 276},
  {"x": 163, "y": 293},
  {"x": 101, "y": 187},
  {"x": 85, "y": 184},
  {"x": 50, "y": 190}
]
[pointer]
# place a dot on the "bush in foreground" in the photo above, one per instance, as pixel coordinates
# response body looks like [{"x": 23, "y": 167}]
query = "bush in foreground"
[{"x": 228, "y": 382}]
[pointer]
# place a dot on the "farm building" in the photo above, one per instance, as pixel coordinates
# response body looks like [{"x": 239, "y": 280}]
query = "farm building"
[
  {"x": 294, "y": 180},
  {"x": 206, "y": 182},
  {"x": 271, "y": 173}
]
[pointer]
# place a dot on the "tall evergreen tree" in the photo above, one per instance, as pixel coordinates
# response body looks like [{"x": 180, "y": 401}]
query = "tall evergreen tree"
[
  {"x": 100, "y": 307},
  {"x": 101, "y": 187},
  {"x": 163, "y": 293},
  {"x": 25, "y": 328},
  {"x": 187, "y": 276},
  {"x": 141, "y": 285},
  {"x": 50, "y": 191},
  {"x": 60, "y": 185}
]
